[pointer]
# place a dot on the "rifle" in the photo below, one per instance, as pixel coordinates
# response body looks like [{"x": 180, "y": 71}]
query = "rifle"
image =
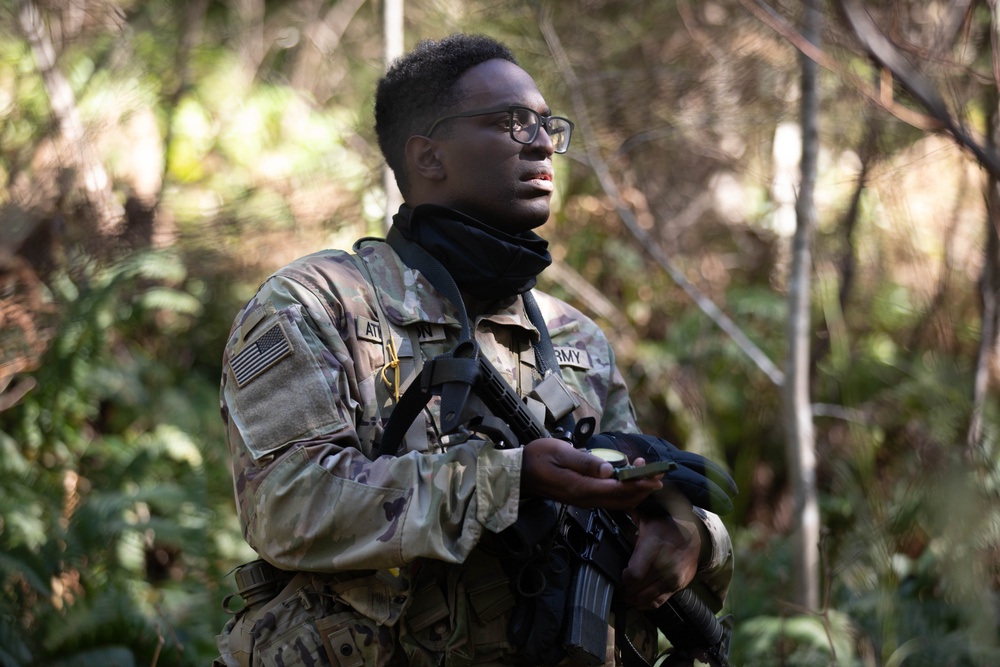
[{"x": 600, "y": 541}]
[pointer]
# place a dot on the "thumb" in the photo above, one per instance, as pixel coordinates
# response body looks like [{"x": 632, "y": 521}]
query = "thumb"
[{"x": 585, "y": 463}]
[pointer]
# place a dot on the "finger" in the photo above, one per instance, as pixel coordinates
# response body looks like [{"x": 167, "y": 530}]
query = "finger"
[
  {"x": 556, "y": 455},
  {"x": 640, "y": 563},
  {"x": 639, "y": 488},
  {"x": 649, "y": 595},
  {"x": 657, "y": 601},
  {"x": 639, "y": 463},
  {"x": 585, "y": 463},
  {"x": 612, "y": 494},
  {"x": 641, "y": 581},
  {"x": 634, "y": 491},
  {"x": 633, "y": 576}
]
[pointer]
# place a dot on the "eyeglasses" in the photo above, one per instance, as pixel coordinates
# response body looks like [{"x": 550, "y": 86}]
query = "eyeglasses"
[{"x": 523, "y": 124}]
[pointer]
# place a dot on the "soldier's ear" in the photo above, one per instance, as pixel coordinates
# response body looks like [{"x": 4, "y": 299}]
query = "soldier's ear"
[{"x": 424, "y": 157}]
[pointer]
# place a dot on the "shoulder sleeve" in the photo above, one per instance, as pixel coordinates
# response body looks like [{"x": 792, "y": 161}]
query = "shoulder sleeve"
[{"x": 308, "y": 496}]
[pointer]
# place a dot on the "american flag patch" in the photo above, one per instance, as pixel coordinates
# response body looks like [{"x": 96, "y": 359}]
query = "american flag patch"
[{"x": 258, "y": 356}]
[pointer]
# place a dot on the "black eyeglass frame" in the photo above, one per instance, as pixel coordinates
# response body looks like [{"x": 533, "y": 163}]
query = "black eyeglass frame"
[{"x": 543, "y": 121}]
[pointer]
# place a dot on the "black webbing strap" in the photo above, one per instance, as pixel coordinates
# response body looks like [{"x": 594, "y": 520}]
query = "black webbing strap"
[
  {"x": 409, "y": 406},
  {"x": 545, "y": 354},
  {"x": 455, "y": 375},
  {"x": 630, "y": 654},
  {"x": 417, "y": 258},
  {"x": 437, "y": 370}
]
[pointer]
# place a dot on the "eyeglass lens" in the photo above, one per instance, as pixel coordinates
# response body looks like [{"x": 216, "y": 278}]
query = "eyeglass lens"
[{"x": 525, "y": 124}]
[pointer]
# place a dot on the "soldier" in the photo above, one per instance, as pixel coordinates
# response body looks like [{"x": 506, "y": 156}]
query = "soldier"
[{"x": 375, "y": 557}]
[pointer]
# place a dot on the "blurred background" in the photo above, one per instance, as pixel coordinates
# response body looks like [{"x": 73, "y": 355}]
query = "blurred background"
[{"x": 796, "y": 259}]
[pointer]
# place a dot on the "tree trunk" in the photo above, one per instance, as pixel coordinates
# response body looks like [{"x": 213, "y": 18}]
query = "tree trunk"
[
  {"x": 393, "y": 34},
  {"x": 989, "y": 279},
  {"x": 799, "y": 443},
  {"x": 989, "y": 341},
  {"x": 94, "y": 178}
]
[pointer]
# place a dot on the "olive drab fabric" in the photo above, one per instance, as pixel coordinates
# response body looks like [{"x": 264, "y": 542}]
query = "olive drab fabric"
[{"x": 312, "y": 369}]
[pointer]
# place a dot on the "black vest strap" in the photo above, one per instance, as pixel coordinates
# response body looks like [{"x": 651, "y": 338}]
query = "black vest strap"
[
  {"x": 417, "y": 258},
  {"x": 455, "y": 375},
  {"x": 545, "y": 354}
]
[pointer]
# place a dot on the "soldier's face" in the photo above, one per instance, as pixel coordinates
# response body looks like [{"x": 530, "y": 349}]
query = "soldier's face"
[{"x": 487, "y": 174}]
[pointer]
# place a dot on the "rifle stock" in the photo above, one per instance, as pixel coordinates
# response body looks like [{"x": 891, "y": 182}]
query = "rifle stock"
[{"x": 601, "y": 544}]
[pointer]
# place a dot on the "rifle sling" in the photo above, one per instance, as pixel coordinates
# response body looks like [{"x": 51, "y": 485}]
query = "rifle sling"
[
  {"x": 455, "y": 376},
  {"x": 630, "y": 654},
  {"x": 434, "y": 271}
]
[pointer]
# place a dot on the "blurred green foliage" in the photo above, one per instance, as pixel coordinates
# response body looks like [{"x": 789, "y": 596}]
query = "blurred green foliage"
[{"x": 117, "y": 526}]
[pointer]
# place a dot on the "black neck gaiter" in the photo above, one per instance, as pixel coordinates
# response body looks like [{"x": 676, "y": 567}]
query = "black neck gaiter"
[{"x": 485, "y": 262}]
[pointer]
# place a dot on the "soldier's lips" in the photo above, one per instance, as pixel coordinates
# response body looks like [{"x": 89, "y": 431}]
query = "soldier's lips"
[{"x": 541, "y": 180}]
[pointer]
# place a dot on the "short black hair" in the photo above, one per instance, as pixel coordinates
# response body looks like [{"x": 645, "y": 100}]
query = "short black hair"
[{"x": 420, "y": 86}]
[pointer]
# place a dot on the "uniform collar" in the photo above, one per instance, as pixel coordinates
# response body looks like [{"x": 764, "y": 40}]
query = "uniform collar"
[{"x": 407, "y": 297}]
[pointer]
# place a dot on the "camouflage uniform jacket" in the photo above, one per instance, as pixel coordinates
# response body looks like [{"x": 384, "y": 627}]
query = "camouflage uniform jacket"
[{"x": 313, "y": 366}]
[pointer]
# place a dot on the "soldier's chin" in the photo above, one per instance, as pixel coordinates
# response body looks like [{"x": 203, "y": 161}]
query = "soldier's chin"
[{"x": 532, "y": 215}]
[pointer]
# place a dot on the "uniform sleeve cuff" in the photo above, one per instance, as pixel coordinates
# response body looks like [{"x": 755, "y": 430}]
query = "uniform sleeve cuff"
[{"x": 718, "y": 549}]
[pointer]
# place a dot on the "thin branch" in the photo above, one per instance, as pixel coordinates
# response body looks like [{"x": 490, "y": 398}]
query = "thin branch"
[
  {"x": 611, "y": 189},
  {"x": 893, "y": 65},
  {"x": 833, "y": 411},
  {"x": 564, "y": 275},
  {"x": 919, "y": 86},
  {"x": 848, "y": 261},
  {"x": 948, "y": 239},
  {"x": 322, "y": 38},
  {"x": 769, "y": 17},
  {"x": 847, "y": 265},
  {"x": 994, "y": 39},
  {"x": 9, "y": 399}
]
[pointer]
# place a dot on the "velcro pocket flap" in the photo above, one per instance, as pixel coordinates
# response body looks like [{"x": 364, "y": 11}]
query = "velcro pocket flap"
[{"x": 277, "y": 391}]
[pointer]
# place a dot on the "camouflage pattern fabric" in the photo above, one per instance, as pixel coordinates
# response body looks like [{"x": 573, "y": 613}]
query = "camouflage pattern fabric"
[{"x": 313, "y": 366}]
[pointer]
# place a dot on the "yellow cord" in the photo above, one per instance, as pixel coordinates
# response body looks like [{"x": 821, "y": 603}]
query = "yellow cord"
[{"x": 393, "y": 364}]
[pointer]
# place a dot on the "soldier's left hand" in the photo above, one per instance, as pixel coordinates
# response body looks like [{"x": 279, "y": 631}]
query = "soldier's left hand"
[
  {"x": 553, "y": 468},
  {"x": 664, "y": 561}
]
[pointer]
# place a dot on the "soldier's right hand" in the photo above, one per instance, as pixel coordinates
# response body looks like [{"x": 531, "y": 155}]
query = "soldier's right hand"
[{"x": 554, "y": 469}]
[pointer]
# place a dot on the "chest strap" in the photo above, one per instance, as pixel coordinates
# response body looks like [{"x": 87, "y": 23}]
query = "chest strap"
[{"x": 454, "y": 373}]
